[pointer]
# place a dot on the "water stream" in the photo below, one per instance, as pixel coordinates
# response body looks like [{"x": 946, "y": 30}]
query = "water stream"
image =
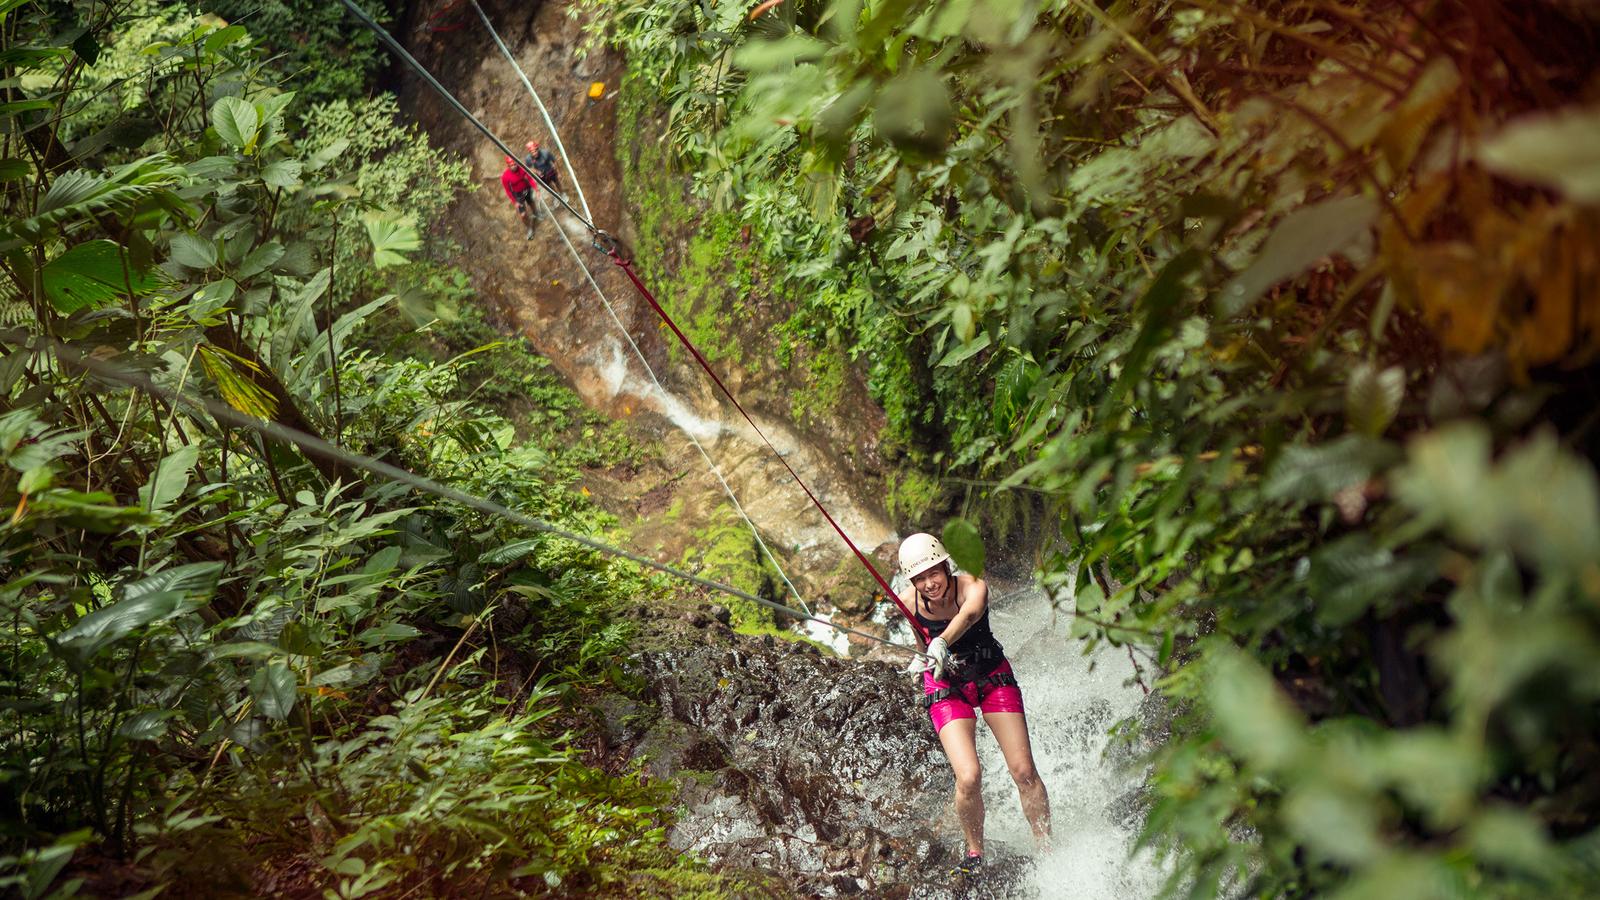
[
  {"x": 620, "y": 372},
  {"x": 832, "y": 638},
  {"x": 1072, "y": 700}
]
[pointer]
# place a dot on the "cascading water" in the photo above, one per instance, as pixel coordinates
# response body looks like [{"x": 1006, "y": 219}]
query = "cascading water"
[
  {"x": 1072, "y": 700},
  {"x": 618, "y": 372},
  {"x": 830, "y": 637}
]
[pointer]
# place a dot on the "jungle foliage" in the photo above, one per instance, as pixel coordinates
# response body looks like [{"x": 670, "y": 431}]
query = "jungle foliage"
[
  {"x": 228, "y": 666},
  {"x": 1289, "y": 312}
]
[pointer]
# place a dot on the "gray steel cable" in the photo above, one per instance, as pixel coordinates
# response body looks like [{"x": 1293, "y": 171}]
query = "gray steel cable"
[{"x": 317, "y": 446}]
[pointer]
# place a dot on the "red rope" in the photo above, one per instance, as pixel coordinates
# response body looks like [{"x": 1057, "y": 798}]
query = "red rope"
[{"x": 627, "y": 268}]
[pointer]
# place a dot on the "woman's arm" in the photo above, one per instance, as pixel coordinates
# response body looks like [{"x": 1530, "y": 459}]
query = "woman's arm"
[{"x": 974, "y": 593}]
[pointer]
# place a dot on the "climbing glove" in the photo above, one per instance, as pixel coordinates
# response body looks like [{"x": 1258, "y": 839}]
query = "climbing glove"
[{"x": 940, "y": 652}]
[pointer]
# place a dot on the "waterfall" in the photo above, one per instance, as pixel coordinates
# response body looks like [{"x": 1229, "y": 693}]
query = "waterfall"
[
  {"x": 618, "y": 375},
  {"x": 1072, "y": 699},
  {"x": 832, "y": 638}
]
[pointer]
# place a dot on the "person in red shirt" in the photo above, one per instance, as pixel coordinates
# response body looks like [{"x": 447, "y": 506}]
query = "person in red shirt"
[{"x": 520, "y": 190}]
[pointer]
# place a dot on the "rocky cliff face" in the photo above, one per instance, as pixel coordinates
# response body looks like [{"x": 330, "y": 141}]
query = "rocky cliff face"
[{"x": 823, "y": 770}]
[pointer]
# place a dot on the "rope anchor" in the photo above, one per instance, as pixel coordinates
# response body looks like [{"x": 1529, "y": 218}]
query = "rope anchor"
[{"x": 610, "y": 246}]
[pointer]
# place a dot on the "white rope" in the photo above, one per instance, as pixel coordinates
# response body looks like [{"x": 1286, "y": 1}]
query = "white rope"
[
  {"x": 715, "y": 470},
  {"x": 548, "y": 122},
  {"x": 578, "y": 188}
]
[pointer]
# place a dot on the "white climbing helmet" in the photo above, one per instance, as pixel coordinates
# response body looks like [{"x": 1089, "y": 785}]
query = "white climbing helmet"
[{"x": 919, "y": 553}]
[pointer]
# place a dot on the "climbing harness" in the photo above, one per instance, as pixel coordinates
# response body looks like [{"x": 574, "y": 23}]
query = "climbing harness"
[
  {"x": 626, "y": 265},
  {"x": 316, "y": 446},
  {"x": 974, "y": 665},
  {"x": 957, "y": 688}
]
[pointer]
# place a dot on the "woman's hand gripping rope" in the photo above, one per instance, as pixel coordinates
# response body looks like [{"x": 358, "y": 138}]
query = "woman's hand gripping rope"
[
  {"x": 939, "y": 653},
  {"x": 936, "y": 658}
]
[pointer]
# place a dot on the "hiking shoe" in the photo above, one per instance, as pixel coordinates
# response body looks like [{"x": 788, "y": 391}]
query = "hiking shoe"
[
  {"x": 530, "y": 234},
  {"x": 969, "y": 867}
]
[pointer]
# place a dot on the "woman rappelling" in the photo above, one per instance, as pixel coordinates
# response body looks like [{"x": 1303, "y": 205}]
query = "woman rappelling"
[{"x": 969, "y": 672}]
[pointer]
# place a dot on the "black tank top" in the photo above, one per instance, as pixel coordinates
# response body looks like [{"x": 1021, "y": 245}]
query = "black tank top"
[{"x": 977, "y": 652}]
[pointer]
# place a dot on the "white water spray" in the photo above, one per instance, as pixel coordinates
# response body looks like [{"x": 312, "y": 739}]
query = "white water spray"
[
  {"x": 619, "y": 377},
  {"x": 825, "y": 634},
  {"x": 1072, "y": 700}
]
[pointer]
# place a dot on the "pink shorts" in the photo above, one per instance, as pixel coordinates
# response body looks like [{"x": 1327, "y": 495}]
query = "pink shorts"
[{"x": 1006, "y": 699}]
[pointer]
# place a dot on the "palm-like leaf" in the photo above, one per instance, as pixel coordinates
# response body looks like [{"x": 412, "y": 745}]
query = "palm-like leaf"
[
  {"x": 79, "y": 194},
  {"x": 227, "y": 371}
]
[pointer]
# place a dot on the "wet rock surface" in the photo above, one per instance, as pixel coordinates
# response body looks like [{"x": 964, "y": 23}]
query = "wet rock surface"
[{"x": 822, "y": 771}]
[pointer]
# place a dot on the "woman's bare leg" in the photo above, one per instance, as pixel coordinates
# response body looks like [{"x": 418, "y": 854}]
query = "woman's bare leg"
[
  {"x": 958, "y": 737},
  {"x": 1011, "y": 732}
]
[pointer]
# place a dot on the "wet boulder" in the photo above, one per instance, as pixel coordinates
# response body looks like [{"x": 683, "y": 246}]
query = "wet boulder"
[{"x": 824, "y": 772}]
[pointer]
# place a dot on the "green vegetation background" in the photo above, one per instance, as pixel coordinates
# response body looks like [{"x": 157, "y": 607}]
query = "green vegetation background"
[{"x": 228, "y": 667}]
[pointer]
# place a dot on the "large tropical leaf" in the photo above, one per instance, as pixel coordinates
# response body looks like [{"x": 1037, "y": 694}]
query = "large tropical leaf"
[
  {"x": 191, "y": 579},
  {"x": 237, "y": 121},
  {"x": 301, "y": 323},
  {"x": 1559, "y": 150},
  {"x": 79, "y": 194},
  {"x": 391, "y": 236},
  {"x": 193, "y": 251},
  {"x": 315, "y": 360},
  {"x": 93, "y": 274},
  {"x": 170, "y": 477},
  {"x": 273, "y": 687},
  {"x": 239, "y": 390},
  {"x": 1372, "y": 398},
  {"x": 107, "y": 625},
  {"x": 1299, "y": 241},
  {"x": 961, "y": 538}
]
